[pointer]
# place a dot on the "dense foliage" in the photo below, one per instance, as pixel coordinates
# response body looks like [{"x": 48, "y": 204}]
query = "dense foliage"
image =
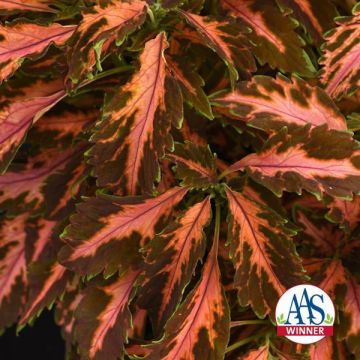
[{"x": 171, "y": 167}]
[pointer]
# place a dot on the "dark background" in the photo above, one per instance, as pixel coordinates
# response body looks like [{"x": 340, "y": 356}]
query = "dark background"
[{"x": 42, "y": 341}]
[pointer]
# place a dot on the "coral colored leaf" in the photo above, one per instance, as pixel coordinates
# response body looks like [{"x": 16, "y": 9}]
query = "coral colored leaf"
[
  {"x": 316, "y": 16},
  {"x": 101, "y": 26},
  {"x": 136, "y": 123},
  {"x": 171, "y": 261},
  {"x": 27, "y": 40},
  {"x": 259, "y": 354},
  {"x": 345, "y": 212},
  {"x": 341, "y": 56},
  {"x": 13, "y": 274},
  {"x": 191, "y": 85},
  {"x": 269, "y": 104},
  {"x": 332, "y": 279},
  {"x": 349, "y": 327},
  {"x": 19, "y": 113},
  {"x": 61, "y": 125},
  {"x": 64, "y": 315},
  {"x": 273, "y": 34},
  {"x": 47, "y": 290},
  {"x": 222, "y": 40},
  {"x": 26, "y": 5},
  {"x": 199, "y": 328},
  {"x": 263, "y": 253},
  {"x": 107, "y": 230},
  {"x": 103, "y": 318},
  {"x": 41, "y": 188},
  {"x": 195, "y": 164},
  {"x": 47, "y": 279},
  {"x": 327, "y": 348},
  {"x": 320, "y": 161}
]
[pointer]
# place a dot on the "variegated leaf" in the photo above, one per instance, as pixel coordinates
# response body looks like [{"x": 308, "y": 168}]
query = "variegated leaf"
[
  {"x": 316, "y": 16},
  {"x": 349, "y": 327},
  {"x": 332, "y": 278},
  {"x": 106, "y": 231},
  {"x": 44, "y": 290},
  {"x": 170, "y": 262},
  {"x": 13, "y": 274},
  {"x": 191, "y": 85},
  {"x": 228, "y": 43},
  {"x": 268, "y": 104},
  {"x": 345, "y": 212},
  {"x": 320, "y": 161},
  {"x": 47, "y": 279},
  {"x": 26, "y": 5},
  {"x": 19, "y": 113},
  {"x": 136, "y": 123},
  {"x": 258, "y": 354},
  {"x": 44, "y": 188},
  {"x": 317, "y": 234},
  {"x": 100, "y": 27},
  {"x": 263, "y": 253},
  {"x": 273, "y": 34},
  {"x": 341, "y": 54},
  {"x": 103, "y": 318},
  {"x": 195, "y": 164},
  {"x": 64, "y": 316},
  {"x": 199, "y": 329},
  {"x": 27, "y": 40}
]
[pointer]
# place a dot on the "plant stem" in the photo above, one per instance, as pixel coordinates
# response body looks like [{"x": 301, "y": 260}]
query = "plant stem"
[
  {"x": 248, "y": 322},
  {"x": 113, "y": 71},
  {"x": 242, "y": 342},
  {"x": 152, "y": 17}
]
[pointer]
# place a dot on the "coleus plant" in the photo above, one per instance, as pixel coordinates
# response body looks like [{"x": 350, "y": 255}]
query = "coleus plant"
[{"x": 170, "y": 168}]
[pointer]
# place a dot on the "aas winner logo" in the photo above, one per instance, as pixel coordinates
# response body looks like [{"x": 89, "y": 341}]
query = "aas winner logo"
[{"x": 305, "y": 314}]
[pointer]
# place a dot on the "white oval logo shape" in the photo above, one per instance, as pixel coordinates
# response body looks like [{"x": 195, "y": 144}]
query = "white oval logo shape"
[{"x": 305, "y": 314}]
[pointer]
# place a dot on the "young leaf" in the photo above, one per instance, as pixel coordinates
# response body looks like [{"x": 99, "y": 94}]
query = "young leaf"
[
  {"x": 136, "y": 123},
  {"x": 107, "y": 230},
  {"x": 349, "y": 327},
  {"x": 101, "y": 26},
  {"x": 191, "y": 85},
  {"x": 171, "y": 261},
  {"x": 218, "y": 38},
  {"x": 26, "y": 5},
  {"x": 320, "y": 161},
  {"x": 345, "y": 212},
  {"x": 262, "y": 252},
  {"x": 13, "y": 275},
  {"x": 103, "y": 318},
  {"x": 341, "y": 52},
  {"x": 27, "y": 40},
  {"x": 316, "y": 16},
  {"x": 269, "y": 104},
  {"x": 273, "y": 34},
  {"x": 19, "y": 113},
  {"x": 195, "y": 164},
  {"x": 317, "y": 234},
  {"x": 199, "y": 328}
]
